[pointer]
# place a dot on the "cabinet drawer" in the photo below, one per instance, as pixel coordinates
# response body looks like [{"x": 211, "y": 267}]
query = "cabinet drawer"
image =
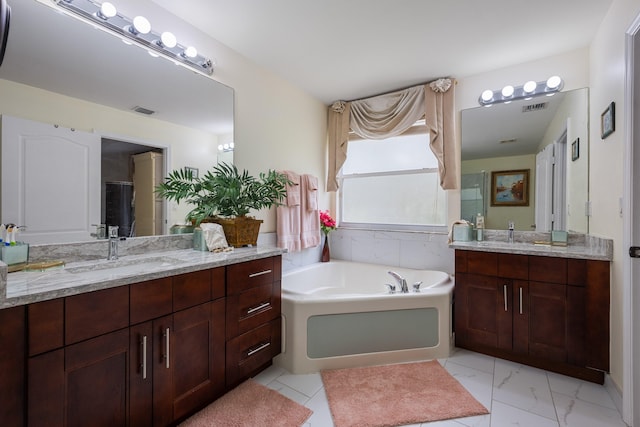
[
  {"x": 46, "y": 326},
  {"x": 251, "y": 308},
  {"x": 191, "y": 289},
  {"x": 250, "y": 274},
  {"x": 249, "y": 352},
  {"x": 96, "y": 313},
  {"x": 512, "y": 266},
  {"x": 485, "y": 263},
  {"x": 150, "y": 299},
  {"x": 547, "y": 269}
]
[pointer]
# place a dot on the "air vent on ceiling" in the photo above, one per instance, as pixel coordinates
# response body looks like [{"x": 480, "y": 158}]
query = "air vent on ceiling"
[
  {"x": 143, "y": 110},
  {"x": 534, "y": 107},
  {"x": 507, "y": 141}
]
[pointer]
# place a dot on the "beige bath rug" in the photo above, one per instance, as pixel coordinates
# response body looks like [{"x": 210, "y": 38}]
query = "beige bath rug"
[
  {"x": 249, "y": 405},
  {"x": 393, "y": 395}
]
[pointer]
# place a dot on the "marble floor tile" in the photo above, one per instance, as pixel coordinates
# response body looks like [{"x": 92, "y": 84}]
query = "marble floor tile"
[{"x": 515, "y": 395}]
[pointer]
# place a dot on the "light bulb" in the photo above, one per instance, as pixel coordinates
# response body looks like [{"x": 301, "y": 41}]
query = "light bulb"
[
  {"x": 168, "y": 39},
  {"x": 107, "y": 10},
  {"x": 487, "y": 95},
  {"x": 220, "y": 147},
  {"x": 232, "y": 145},
  {"x": 507, "y": 91},
  {"x": 191, "y": 52},
  {"x": 554, "y": 82},
  {"x": 141, "y": 25},
  {"x": 529, "y": 86}
]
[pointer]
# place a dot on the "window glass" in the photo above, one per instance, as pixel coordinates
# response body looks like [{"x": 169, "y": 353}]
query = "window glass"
[{"x": 392, "y": 182}]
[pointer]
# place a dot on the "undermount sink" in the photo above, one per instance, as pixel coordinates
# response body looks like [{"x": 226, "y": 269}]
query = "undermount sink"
[{"x": 125, "y": 266}]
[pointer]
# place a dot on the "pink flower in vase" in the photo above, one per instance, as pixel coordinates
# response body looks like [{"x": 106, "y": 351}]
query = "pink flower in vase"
[{"x": 327, "y": 224}]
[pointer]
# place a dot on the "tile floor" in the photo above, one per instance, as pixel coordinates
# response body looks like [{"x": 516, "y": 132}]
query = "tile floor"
[{"x": 515, "y": 395}]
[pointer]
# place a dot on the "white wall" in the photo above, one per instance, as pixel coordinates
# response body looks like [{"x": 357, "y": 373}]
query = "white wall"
[{"x": 607, "y": 75}]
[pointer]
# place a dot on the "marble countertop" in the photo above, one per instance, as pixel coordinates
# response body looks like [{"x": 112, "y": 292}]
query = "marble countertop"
[
  {"x": 74, "y": 278},
  {"x": 602, "y": 252}
]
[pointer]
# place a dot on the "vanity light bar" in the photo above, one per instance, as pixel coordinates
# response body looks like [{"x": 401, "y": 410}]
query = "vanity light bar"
[
  {"x": 138, "y": 31},
  {"x": 526, "y": 91}
]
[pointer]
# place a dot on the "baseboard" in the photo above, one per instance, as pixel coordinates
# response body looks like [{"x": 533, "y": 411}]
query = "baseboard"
[{"x": 614, "y": 391}]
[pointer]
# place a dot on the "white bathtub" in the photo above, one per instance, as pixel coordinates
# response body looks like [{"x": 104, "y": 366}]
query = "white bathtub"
[{"x": 340, "y": 314}]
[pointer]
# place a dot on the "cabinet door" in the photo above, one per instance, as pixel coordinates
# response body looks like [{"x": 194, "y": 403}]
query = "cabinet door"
[
  {"x": 96, "y": 378},
  {"x": 481, "y": 317},
  {"x": 188, "y": 361},
  {"x": 548, "y": 315},
  {"x": 141, "y": 375},
  {"x": 521, "y": 317},
  {"x": 12, "y": 366}
]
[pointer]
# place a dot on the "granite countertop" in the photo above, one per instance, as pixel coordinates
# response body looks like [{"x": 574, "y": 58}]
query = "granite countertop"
[
  {"x": 78, "y": 277},
  {"x": 580, "y": 246}
]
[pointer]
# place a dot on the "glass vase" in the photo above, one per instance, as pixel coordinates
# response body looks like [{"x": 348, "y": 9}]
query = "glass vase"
[{"x": 326, "y": 255}]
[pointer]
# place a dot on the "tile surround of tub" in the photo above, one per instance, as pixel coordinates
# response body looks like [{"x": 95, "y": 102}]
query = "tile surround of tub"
[{"x": 395, "y": 248}]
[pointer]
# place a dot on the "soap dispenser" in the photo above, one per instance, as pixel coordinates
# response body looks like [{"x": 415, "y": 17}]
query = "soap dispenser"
[{"x": 479, "y": 227}]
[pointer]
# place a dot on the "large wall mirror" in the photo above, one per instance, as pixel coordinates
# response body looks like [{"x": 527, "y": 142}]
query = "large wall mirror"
[
  {"x": 70, "y": 62},
  {"x": 546, "y": 136}
]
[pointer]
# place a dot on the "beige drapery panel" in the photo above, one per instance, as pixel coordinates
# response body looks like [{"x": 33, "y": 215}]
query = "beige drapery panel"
[{"x": 391, "y": 114}]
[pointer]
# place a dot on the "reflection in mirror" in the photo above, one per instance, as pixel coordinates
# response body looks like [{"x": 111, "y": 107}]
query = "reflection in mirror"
[
  {"x": 529, "y": 134},
  {"x": 48, "y": 74}
]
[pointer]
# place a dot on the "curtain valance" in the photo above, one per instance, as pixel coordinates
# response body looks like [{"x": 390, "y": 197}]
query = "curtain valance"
[{"x": 391, "y": 114}]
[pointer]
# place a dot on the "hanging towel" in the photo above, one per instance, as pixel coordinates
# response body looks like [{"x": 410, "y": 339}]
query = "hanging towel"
[
  {"x": 309, "y": 215},
  {"x": 293, "y": 190},
  {"x": 311, "y": 193},
  {"x": 288, "y": 216}
]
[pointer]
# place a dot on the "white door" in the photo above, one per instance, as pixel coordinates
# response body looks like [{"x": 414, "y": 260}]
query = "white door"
[
  {"x": 631, "y": 328},
  {"x": 56, "y": 202},
  {"x": 559, "y": 211},
  {"x": 544, "y": 189}
]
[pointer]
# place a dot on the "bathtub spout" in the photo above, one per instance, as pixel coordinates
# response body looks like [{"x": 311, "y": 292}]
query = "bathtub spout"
[{"x": 402, "y": 283}]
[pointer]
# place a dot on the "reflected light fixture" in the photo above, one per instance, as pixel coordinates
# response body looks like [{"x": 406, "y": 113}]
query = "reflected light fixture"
[
  {"x": 137, "y": 31},
  {"x": 526, "y": 91},
  {"x": 226, "y": 147}
]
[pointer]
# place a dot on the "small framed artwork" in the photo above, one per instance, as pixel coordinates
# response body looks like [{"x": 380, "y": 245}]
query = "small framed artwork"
[
  {"x": 510, "y": 188},
  {"x": 194, "y": 171},
  {"x": 575, "y": 150},
  {"x": 608, "y": 121}
]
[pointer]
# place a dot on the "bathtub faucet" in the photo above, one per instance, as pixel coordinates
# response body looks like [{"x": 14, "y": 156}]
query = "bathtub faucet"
[{"x": 402, "y": 283}]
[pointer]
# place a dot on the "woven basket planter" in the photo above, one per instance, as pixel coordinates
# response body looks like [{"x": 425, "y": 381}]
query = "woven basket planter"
[{"x": 239, "y": 231}]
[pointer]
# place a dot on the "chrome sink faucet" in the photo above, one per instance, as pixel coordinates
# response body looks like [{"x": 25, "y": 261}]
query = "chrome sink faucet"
[
  {"x": 402, "y": 283},
  {"x": 113, "y": 242},
  {"x": 511, "y": 228}
]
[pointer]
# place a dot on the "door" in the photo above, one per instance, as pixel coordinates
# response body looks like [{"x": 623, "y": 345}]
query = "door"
[
  {"x": 55, "y": 202},
  {"x": 544, "y": 189},
  {"x": 631, "y": 391}
]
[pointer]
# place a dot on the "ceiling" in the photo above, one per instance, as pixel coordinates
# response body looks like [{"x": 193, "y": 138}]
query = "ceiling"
[{"x": 349, "y": 49}]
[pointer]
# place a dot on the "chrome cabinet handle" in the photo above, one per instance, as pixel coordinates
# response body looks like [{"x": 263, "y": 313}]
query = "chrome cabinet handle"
[
  {"x": 257, "y": 349},
  {"x": 166, "y": 347},
  {"x": 144, "y": 357},
  {"x": 504, "y": 288},
  {"x": 520, "y": 300},
  {"x": 260, "y": 273},
  {"x": 260, "y": 307}
]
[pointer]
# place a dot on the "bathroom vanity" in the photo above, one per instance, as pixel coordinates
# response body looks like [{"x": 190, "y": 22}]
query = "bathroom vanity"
[
  {"x": 145, "y": 349},
  {"x": 542, "y": 306}
]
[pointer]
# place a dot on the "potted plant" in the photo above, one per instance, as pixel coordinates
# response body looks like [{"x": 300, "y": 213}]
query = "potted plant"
[{"x": 226, "y": 196}]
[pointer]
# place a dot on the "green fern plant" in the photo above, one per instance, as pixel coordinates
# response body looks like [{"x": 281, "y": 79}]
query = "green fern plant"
[{"x": 224, "y": 191}]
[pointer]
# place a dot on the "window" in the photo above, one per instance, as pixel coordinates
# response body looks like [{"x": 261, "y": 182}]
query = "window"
[{"x": 392, "y": 183}]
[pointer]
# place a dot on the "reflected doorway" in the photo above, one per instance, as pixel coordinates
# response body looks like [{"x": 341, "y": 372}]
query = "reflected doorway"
[{"x": 130, "y": 173}]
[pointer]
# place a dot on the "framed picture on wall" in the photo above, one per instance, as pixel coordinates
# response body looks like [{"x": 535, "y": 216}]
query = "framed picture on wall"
[
  {"x": 575, "y": 150},
  {"x": 194, "y": 171},
  {"x": 510, "y": 188},
  {"x": 608, "y": 120}
]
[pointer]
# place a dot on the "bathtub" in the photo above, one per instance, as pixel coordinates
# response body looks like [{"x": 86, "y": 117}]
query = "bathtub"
[{"x": 340, "y": 314}]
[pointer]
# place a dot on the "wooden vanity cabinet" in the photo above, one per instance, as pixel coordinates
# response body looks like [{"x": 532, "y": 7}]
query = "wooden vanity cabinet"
[
  {"x": 253, "y": 329},
  {"x": 12, "y": 366},
  {"x": 146, "y": 354},
  {"x": 547, "y": 312}
]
